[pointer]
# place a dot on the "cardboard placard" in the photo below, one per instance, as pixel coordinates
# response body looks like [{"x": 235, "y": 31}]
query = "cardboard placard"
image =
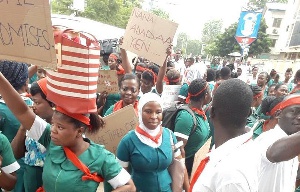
[
  {"x": 170, "y": 94},
  {"x": 148, "y": 35},
  {"x": 116, "y": 127},
  {"x": 200, "y": 155},
  {"x": 108, "y": 81},
  {"x": 26, "y": 32}
]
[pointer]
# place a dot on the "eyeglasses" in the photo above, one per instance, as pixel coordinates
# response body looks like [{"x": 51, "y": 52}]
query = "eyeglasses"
[{"x": 131, "y": 89}]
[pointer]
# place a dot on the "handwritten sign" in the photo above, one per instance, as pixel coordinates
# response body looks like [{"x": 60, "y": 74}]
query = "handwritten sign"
[
  {"x": 170, "y": 94},
  {"x": 148, "y": 35},
  {"x": 26, "y": 33},
  {"x": 116, "y": 127},
  {"x": 108, "y": 81}
]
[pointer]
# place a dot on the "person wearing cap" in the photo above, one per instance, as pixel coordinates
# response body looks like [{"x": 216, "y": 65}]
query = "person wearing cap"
[
  {"x": 73, "y": 163},
  {"x": 8, "y": 165},
  {"x": 279, "y": 148},
  {"x": 17, "y": 75},
  {"x": 33, "y": 151},
  {"x": 198, "y": 96}
]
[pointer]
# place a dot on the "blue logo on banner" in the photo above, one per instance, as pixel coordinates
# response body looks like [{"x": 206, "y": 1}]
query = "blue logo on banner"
[{"x": 248, "y": 24}]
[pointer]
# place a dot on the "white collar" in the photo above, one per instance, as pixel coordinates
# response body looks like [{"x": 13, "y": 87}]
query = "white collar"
[{"x": 228, "y": 147}]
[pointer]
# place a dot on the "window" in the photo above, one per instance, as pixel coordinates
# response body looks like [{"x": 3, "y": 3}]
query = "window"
[
  {"x": 273, "y": 42},
  {"x": 277, "y": 22}
]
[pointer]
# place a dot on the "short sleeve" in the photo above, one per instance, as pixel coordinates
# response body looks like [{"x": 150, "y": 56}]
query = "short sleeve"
[
  {"x": 45, "y": 139},
  {"x": 112, "y": 171},
  {"x": 177, "y": 152},
  {"x": 123, "y": 153},
  {"x": 9, "y": 163},
  {"x": 109, "y": 110},
  {"x": 183, "y": 124},
  {"x": 183, "y": 92},
  {"x": 37, "y": 129}
]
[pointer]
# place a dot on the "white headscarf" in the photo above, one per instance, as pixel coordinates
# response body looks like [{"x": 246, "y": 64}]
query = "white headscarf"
[{"x": 148, "y": 97}]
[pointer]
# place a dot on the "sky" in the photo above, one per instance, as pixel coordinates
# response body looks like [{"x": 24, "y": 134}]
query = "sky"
[{"x": 192, "y": 14}]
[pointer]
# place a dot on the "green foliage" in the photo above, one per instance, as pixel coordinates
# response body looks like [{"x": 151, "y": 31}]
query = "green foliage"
[
  {"x": 211, "y": 30},
  {"x": 194, "y": 47},
  {"x": 112, "y": 12},
  {"x": 62, "y": 7},
  {"x": 262, "y": 43},
  {"x": 161, "y": 13},
  {"x": 260, "y": 4},
  {"x": 182, "y": 40},
  {"x": 226, "y": 43}
]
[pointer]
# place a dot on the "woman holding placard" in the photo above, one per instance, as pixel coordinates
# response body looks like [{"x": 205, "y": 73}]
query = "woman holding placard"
[{"x": 73, "y": 163}]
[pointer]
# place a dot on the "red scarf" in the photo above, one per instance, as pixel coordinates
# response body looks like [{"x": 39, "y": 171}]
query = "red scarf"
[
  {"x": 120, "y": 105},
  {"x": 82, "y": 167},
  {"x": 154, "y": 139},
  {"x": 198, "y": 172},
  {"x": 199, "y": 112},
  {"x": 87, "y": 173},
  {"x": 201, "y": 167}
]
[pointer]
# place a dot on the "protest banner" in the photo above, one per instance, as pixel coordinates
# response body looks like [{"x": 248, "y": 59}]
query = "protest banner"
[
  {"x": 116, "y": 126},
  {"x": 169, "y": 95},
  {"x": 200, "y": 155},
  {"x": 148, "y": 35},
  {"x": 108, "y": 81},
  {"x": 26, "y": 32}
]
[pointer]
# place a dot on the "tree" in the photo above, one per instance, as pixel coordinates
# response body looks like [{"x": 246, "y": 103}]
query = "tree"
[
  {"x": 211, "y": 30},
  {"x": 193, "y": 47},
  {"x": 260, "y": 4},
  {"x": 262, "y": 43},
  {"x": 62, "y": 7},
  {"x": 161, "y": 13},
  {"x": 182, "y": 40},
  {"x": 226, "y": 43},
  {"x": 112, "y": 12}
]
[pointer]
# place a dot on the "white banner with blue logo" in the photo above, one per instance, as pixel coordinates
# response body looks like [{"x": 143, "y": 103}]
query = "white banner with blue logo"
[{"x": 248, "y": 24}]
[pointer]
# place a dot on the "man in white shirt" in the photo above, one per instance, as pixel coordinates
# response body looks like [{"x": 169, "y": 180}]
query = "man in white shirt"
[
  {"x": 231, "y": 166},
  {"x": 193, "y": 71},
  {"x": 179, "y": 64},
  {"x": 279, "y": 149}
]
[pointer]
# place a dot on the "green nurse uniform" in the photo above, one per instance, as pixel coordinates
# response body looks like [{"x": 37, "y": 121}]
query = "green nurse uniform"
[
  {"x": 149, "y": 165},
  {"x": 61, "y": 175}
]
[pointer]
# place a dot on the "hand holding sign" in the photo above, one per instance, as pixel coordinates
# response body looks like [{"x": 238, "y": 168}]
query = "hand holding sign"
[{"x": 144, "y": 35}]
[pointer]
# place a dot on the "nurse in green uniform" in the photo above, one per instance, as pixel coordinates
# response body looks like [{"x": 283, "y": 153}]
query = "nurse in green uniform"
[
  {"x": 35, "y": 153},
  {"x": 8, "y": 165},
  {"x": 17, "y": 75},
  {"x": 147, "y": 149},
  {"x": 262, "y": 81},
  {"x": 268, "y": 120},
  {"x": 255, "y": 106},
  {"x": 73, "y": 163},
  {"x": 183, "y": 92},
  {"x": 129, "y": 90},
  {"x": 198, "y": 96}
]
